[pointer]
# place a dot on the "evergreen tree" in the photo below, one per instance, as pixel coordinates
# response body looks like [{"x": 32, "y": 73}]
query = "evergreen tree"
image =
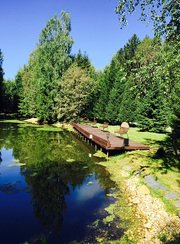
[
  {"x": 1, "y": 81},
  {"x": 128, "y": 106},
  {"x": 10, "y": 97},
  {"x": 104, "y": 87},
  {"x": 152, "y": 108},
  {"x": 116, "y": 92},
  {"x": 82, "y": 60},
  {"x": 112, "y": 84},
  {"x": 129, "y": 52},
  {"x": 125, "y": 55}
]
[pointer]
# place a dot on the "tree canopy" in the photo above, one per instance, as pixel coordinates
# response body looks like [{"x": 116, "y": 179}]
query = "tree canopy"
[
  {"x": 74, "y": 91},
  {"x": 165, "y": 14},
  {"x": 139, "y": 85},
  {"x": 46, "y": 66},
  {"x": 1, "y": 81}
]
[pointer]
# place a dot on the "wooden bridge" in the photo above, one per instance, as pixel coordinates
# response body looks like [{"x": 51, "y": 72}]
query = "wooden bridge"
[{"x": 107, "y": 140}]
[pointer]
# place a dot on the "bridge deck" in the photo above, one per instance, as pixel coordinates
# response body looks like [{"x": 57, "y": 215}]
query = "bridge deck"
[{"x": 106, "y": 139}]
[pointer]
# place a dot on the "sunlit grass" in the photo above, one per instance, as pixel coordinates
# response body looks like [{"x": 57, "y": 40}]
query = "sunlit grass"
[
  {"x": 145, "y": 163},
  {"x": 15, "y": 121},
  {"x": 24, "y": 124},
  {"x": 134, "y": 133},
  {"x": 148, "y": 138},
  {"x": 139, "y": 164},
  {"x": 49, "y": 128}
]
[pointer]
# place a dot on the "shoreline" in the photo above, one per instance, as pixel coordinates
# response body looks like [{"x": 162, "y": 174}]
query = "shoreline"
[{"x": 150, "y": 220}]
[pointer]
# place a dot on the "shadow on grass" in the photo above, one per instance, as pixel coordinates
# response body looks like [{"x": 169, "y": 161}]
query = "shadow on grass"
[
  {"x": 166, "y": 154},
  {"x": 152, "y": 142},
  {"x": 175, "y": 241},
  {"x": 153, "y": 162}
]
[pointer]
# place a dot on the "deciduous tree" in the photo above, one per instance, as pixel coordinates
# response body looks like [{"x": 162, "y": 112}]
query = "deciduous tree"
[
  {"x": 53, "y": 60},
  {"x": 165, "y": 14},
  {"x": 74, "y": 91},
  {"x": 47, "y": 63}
]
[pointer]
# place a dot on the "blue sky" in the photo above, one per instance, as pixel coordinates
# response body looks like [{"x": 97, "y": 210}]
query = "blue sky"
[{"x": 95, "y": 29}]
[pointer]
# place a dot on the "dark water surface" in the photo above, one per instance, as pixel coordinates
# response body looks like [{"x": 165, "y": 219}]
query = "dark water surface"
[{"x": 49, "y": 187}]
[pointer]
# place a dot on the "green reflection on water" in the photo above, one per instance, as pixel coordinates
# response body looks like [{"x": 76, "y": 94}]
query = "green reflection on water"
[{"x": 50, "y": 162}]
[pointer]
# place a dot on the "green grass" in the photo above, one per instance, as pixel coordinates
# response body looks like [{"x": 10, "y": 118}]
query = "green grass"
[
  {"x": 41, "y": 127},
  {"x": 146, "y": 162},
  {"x": 49, "y": 128},
  {"x": 125, "y": 166},
  {"x": 148, "y": 138},
  {"x": 15, "y": 121},
  {"x": 24, "y": 124},
  {"x": 134, "y": 133}
]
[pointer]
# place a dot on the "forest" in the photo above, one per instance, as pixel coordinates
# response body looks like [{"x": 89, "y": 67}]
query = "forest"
[
  {"x": 140, "y": 85},
  {"x": 66, "y": 188}
]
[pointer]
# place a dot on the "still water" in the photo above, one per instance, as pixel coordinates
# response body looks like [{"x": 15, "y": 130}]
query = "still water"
[{"x": 51, "y": 191}]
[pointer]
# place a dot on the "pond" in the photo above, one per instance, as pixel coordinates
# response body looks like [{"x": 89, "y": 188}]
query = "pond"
[{"x": 51, "y": 189}]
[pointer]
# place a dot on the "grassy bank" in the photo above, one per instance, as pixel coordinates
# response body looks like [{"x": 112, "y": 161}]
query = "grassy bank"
[
  {"x": 129, "y": 171},
  {"x": 145, "y": 213},
  {"x": 15, "y": 121},
  {"x": 123, "y": 170},
  {"x": 34, "y": 124}
]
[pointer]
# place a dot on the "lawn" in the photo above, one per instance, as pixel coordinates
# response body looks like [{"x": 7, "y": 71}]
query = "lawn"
[
  {"x": 164, "y": 168},
  {"x": 148, "y": 138}
]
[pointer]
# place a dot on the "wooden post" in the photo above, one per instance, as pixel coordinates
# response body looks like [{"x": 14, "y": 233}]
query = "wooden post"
[{"x": 107, "y": 154}]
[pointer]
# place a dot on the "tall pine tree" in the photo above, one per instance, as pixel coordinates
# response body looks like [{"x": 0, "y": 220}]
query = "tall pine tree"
[
  {"x": 1, "y": 81},
  {"x": 116, "y": 92}
]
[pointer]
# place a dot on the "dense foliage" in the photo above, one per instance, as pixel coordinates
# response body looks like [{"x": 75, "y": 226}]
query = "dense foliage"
[
  {"x": 48, "y": 86},
  {"x": 142, "y": 88},
  {"x": 46, "y": 66},
  {"x": 140, "y": 85},
  {"x": 74, "y": 91},
  {"x": 1, "y": 81}
]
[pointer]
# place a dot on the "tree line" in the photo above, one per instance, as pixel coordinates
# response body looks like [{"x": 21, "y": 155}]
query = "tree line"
[
  {"x": 54, "y": 85},
  {"x": 140, "y": 85}
]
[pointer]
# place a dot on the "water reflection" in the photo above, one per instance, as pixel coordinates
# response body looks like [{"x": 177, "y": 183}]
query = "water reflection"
[{"x": 65, "y": 186}]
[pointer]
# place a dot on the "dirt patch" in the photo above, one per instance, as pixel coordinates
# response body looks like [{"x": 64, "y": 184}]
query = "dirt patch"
[
  {"x": 33, "y": 121},
  {"x": 155, "y": 219}
]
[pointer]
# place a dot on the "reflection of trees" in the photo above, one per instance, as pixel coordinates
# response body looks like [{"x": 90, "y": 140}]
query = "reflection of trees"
[
  {"x": 7, "y": 135},
  {"x": 0, "y": 157},
  {"x": 103, "y": 177},
  {"x": 49, "y": 185},
  {"x": 48, "y": 190},
  {"x": 35, "y": 147},
  {"x": 53, "y": 161}
]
